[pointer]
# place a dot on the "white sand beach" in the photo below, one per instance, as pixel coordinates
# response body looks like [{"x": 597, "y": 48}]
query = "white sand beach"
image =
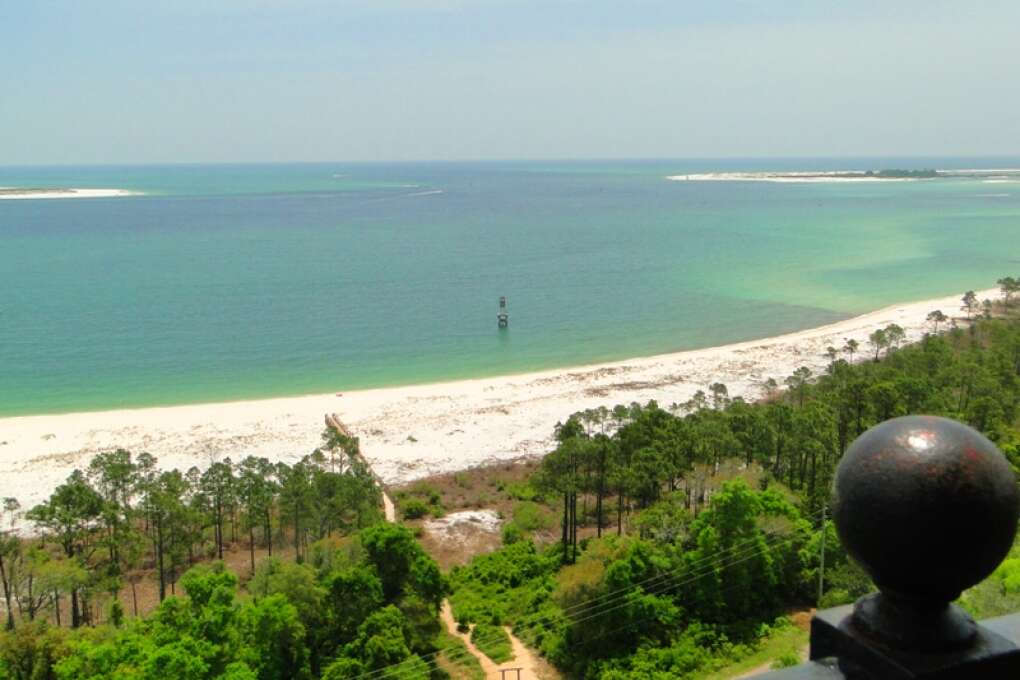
[
  {"x": 409, "y": 432},
  {"x": 13, "y": 193}
]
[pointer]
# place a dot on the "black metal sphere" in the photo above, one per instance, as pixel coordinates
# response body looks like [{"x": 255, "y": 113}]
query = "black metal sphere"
[{"x": 926, "y": 505}]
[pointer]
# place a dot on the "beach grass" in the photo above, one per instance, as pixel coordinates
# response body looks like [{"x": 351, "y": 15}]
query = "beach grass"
[
  {"x": 493, "y": 641},
  {"x": 456, "y": 660}
]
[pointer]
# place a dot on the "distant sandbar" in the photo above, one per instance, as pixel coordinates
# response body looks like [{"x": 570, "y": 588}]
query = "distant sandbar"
[
  {"x": 60, "y": 192},
  {"x": 846, "y": 176}
]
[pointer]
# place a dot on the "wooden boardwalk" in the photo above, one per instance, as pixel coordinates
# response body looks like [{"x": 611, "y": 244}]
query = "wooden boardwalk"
[{"x": 389, "y": 510}]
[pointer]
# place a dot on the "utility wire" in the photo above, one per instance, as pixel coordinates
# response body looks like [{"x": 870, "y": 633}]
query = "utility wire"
[
  {"x": 586, "y": 608},
  {"x": 460, "y": 653}
]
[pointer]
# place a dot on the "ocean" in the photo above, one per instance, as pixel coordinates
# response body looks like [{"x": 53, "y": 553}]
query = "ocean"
[{"x": 226, "y": 282}]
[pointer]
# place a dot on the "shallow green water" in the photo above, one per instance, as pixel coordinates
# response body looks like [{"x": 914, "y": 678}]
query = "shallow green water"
[{"x": 228, "y": 282}]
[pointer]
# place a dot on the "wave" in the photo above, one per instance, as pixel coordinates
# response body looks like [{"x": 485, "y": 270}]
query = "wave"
[{"x": 431, "y": 192}]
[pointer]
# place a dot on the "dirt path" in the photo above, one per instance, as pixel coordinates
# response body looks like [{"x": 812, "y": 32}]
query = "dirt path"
[
  {"x": 528, "y": 664},
  {"x": 754, "y": 672},
  {"x": 523, "y": 659},
  {"x": 388, "y": 510},
  {"x": 767, "y": 667}
]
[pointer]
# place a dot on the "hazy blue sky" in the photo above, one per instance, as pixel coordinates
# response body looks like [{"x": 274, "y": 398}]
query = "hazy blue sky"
[{"x": 277, "y": 80}]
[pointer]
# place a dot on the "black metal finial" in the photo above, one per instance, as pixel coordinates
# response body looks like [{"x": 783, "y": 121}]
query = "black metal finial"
[{"x": 928, "y": 507}]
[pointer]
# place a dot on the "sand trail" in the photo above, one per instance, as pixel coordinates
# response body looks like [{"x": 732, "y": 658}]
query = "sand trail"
[{"x": 524, "y": 662}]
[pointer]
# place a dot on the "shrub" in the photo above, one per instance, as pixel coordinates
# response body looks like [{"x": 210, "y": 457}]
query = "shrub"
[
  {"x": 522, "y": 491},
  {"x": 529, "y": 516},
  {"x": 512, "y": 534},
  {"x": 414, "y": 509},
  {"x": 786, "y": 659},
  {"x": 834, "y": 598},
  {"x": 427, "y": 491}
]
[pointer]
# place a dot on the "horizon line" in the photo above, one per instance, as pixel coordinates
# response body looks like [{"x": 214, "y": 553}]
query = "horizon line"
[{"x": 564, "y": 159}]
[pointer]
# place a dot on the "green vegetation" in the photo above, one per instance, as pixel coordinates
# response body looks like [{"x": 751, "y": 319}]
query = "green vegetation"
[
  {"x": 784, "y": 641},
  {"x": 419, "y": 500},
  {"x": 658, "y": 564},
  {"x": 786, "y": 659},
  {"x": 356, "y": 595},
  {"x": 680, "y": 576},
  {"x": 456, "y": 660},
  {"x": 796, "y": 437},
  {"x": 414, "y": 508},
  {"x": 493, "y": 641},
  {"x": 894, "y": 173},
  {"x": 123, "y": 514},
  {"x": 363, "y": 604},
  {"x": 999, "y": 594},
  {"x": 689, "y": 602},
  {"x": 530, "y": 516}
]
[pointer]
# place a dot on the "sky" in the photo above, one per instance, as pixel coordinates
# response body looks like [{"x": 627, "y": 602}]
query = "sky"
[{"x": 123, "y": 81}]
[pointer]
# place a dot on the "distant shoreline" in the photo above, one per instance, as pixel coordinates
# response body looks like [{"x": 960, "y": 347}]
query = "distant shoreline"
[
  {"x": 15, "y": 193},
  {"x": 414, "y": 431}
]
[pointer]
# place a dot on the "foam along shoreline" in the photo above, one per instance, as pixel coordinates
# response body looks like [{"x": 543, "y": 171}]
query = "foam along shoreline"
[
  {"x": 14, "y": 193},
  {"x": 411, "y": 432}
]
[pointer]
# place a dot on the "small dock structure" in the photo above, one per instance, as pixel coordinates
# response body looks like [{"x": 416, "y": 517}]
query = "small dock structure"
[{"x": 503, "y": 317}]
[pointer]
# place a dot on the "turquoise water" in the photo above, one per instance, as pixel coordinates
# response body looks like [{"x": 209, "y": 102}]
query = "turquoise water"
[{"x": 230, "y": 282}]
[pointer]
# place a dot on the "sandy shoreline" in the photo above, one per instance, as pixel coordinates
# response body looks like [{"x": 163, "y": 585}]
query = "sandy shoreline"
[
  {"x": 12, "y": 193},
  {"x": 409, "y": 432}
]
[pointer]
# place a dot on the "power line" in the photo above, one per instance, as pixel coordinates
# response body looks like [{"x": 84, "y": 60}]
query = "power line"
[
  {"x": 589, "y": 606},
  {"x": 706, "y": 572},
  {"x": 621, "y": 593},
  {"x": 585, "y": 608},
  {"x": 703, "y": 564}
]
